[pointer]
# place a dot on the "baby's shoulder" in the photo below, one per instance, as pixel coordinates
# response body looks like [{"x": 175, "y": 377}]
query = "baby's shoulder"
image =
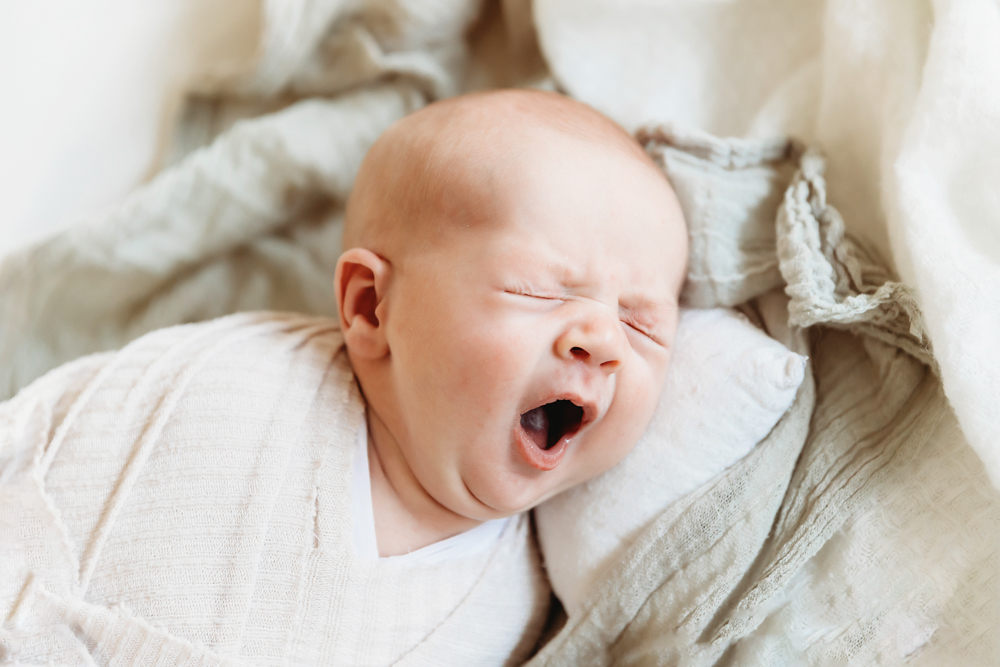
[
  {"x": 240, "y": 332},
  {"x": 217, "y": 412},
  {"x": 237, "y": 368},
  {"x": 232, "y": 375},
  {"x": 225, "y": 360}
]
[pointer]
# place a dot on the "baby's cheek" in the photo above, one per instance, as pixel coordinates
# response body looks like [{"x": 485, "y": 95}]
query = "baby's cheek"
[
  {"x": 479, "y": 370},
  {"x": 493, "y": 347},
  {"x": 640, "y": 382},
  {"x": 636, "y": 398}
]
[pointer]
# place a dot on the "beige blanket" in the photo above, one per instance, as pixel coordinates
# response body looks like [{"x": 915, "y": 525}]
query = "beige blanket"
[
  {"x": 187, "y": 500},
  {"x": 862, "y": 531},
  {"x": 796, "y": 554}
]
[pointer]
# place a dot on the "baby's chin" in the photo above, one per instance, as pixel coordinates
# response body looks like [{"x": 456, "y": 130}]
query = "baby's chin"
[
  {"x": 500, "y": 506},
  {"x": 490, "y": 496},
  {"x": 485, "y": 499}
]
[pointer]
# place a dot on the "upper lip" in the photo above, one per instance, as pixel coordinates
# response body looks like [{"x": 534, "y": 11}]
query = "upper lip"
[
  {"x": 548, "y": 458},
  {"x": 591, "y": 408}
]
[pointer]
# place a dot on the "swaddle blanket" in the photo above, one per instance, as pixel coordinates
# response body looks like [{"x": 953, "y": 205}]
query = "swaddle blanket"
[
  {"x": 861, "y": 531},
  {"x": 823, "y": 545},
  {"x": 187, "y": 501}
]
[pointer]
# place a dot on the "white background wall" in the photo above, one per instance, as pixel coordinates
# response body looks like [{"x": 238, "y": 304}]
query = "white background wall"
[{"x": 88, "y": 89}]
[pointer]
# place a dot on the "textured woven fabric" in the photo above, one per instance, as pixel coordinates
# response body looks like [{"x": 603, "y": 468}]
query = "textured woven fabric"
[
  {"x": 830, "y": 542},
  {"x": 728, "y": 384},
  {"x": 902, "y": 97},
  {"x": 884, "y": 543},
  {"x": 188, "y": 498}
]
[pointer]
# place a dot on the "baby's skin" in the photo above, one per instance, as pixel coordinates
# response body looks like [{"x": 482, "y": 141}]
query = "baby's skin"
[{"x": 509, "y": 300}]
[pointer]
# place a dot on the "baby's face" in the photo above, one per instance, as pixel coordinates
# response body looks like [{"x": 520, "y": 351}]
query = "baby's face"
[{"x": 529, "y": 348}]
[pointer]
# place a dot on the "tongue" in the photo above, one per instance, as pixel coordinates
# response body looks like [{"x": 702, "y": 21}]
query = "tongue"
[{"x": 536, "y": 424}]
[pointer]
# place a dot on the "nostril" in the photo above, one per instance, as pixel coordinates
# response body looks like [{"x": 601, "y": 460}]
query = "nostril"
[
  {"x": 611, "y": 366},
  {"x": 579, "y": 353}
]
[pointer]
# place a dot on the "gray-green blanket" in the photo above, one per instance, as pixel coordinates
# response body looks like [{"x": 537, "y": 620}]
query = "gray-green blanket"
[{"x": 862, "y": 530}]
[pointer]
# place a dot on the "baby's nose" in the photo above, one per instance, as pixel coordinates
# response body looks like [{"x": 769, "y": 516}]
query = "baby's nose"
[{"x": 597, "y": 339}]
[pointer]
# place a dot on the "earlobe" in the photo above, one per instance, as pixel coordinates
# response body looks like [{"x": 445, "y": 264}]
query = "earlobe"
[{"x": 360, "y": 284}]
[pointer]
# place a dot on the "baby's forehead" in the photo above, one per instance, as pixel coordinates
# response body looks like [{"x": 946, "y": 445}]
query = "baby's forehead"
[
  {"x": 464, "y": 163},
  {"x": 470, "y": 159},
  {"x": 475, "y": 131}
]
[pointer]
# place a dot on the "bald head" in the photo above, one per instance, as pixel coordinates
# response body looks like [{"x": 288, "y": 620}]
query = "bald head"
[
  {"x": 504, "y": 253},
  {"x": 448, "y": 163}
]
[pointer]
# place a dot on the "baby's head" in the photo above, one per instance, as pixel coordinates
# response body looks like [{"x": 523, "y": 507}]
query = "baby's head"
[{"x": 509, "y": 296}]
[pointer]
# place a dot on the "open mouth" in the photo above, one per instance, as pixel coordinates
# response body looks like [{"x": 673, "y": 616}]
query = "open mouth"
[{"x": 547, "y": 424}]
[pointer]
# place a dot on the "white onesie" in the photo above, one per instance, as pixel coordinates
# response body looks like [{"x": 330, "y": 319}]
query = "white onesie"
[
  {"x": 477, "y": 540},
  {"x": 189, "y": 500}
]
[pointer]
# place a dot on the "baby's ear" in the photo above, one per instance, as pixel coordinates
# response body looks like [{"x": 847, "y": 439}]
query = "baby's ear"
[{"x": 360, "y": 284}]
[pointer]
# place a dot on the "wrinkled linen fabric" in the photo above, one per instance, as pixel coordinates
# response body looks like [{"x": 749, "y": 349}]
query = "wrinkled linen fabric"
[
  {"x": 863, "y": 530},
  {"x": 727, "y": 385},
  {"x": 188, "y": 500},
  {"x": 830, "y": 541},
  {"x": 203, "y": 240},
  {"x": 902, "y": 96}
]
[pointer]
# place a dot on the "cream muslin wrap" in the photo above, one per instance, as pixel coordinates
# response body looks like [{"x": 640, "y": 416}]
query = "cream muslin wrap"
[
  {"x": 187, "y": 500},
  {"x": 861, "y": 531}
]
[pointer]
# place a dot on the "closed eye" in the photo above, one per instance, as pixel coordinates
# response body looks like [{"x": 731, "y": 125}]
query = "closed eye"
[
  {"x": 534, "y": 295},
  {"x": 644, "y": 332}
]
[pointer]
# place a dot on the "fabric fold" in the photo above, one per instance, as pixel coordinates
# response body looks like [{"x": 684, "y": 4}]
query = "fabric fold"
[{"x": 709, "y": 579}]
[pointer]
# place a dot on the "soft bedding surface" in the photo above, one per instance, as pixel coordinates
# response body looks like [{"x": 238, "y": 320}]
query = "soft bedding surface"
[
  {"x": 727, "y": 386},
  {"x": 862, "y": 529},
  {"x": 902, "y": 95},
  {"x": 186, "y": 500}
]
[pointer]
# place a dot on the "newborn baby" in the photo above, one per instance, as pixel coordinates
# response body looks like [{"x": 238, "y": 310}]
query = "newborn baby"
[
  {"x": 507, "y": 302},
  {"x": 508, "y": 297}
]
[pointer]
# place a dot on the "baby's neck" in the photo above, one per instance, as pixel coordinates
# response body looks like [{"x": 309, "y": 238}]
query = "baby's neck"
[{"x": 407, "y": 518}]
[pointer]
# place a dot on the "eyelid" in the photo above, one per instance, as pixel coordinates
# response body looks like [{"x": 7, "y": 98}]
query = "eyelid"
[
  {"x": 625, "y": 316},
  {"x": 533, "y": 294},
  {"x": 633, "y": 325}
]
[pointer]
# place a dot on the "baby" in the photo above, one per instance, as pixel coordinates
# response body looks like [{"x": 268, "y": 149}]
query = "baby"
[{"x": 507, "y": 299}]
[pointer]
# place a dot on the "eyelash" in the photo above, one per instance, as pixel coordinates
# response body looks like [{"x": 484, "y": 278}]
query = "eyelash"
[
  {"x": 532, "y": 295},
  {"x": 627, "y": 323},
  {"x": 640, "y": 330}
]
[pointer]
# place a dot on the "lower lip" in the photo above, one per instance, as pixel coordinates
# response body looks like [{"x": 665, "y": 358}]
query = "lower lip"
[{"x": 542, "y": 459}]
